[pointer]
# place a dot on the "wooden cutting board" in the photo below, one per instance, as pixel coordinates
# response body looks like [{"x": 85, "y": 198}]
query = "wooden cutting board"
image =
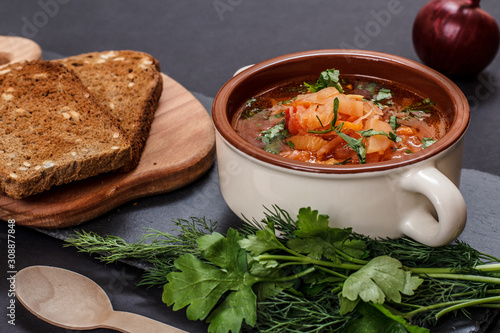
[
  {"x": 13, "y": 49},
  {"x": 180, "y": 149}
]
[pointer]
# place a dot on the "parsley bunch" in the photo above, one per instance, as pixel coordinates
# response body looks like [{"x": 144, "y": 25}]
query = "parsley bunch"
[
  {"x": 286, "y": 274},
  {"x": 327, "y": 78}
]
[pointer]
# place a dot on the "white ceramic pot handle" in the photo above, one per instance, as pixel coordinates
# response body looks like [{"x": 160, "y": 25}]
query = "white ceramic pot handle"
[
  {"x": 447, "y": 200},
  {"x": 242, "y": 69}
]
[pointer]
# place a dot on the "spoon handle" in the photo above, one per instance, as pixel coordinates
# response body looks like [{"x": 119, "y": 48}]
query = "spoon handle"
[{"x": 128, "y": 322}]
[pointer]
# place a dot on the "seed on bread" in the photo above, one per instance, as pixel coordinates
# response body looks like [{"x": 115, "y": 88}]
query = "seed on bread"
[
  {"x": 146, "y": 63},
  {"x": 7, "y": 97},
  {"x": 21, "y": 111},
  {"x": 48, "y": 164},
  {"x": 108, "y": 54},
  {"x": 74, "y": 115},
  {"x": 40, "y": 76}
]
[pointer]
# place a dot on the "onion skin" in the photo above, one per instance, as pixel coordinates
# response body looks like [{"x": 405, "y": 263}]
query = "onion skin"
[{"x": 455, "y": 37}]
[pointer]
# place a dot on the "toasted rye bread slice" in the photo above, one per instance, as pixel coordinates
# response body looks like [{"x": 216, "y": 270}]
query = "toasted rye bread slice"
[
  {"x": 52, "y": 130},
  {"x": 128, "y": 84}
]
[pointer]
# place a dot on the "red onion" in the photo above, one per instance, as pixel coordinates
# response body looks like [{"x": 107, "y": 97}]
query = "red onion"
[{"x": 455, "y": 37}]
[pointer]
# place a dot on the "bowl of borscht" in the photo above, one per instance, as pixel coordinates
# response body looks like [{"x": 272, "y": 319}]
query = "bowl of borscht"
[{"x": 373, "y": 140}]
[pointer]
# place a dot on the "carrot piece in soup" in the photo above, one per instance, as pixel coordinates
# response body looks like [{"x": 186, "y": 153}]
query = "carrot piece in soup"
[
  {"x": 353, "y": 126},
  {"x": 404, "y": 130}
]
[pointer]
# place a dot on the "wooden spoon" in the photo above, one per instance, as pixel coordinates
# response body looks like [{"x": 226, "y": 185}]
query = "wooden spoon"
[{"x": 73, "y": 301}]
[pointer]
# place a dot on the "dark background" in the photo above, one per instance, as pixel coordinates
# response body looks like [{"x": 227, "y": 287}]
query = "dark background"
[{"x": 200, "y": 44}]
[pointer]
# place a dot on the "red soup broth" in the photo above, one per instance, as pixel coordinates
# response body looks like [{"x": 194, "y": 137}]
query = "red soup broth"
[{"x": 375, "y": 121}]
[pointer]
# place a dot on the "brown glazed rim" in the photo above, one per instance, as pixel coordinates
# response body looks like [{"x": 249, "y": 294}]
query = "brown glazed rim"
[{"x": 405, "y": 72}]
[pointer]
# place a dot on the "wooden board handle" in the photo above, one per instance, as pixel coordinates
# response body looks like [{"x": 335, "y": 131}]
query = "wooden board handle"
[{"x": 14, "y": 49}]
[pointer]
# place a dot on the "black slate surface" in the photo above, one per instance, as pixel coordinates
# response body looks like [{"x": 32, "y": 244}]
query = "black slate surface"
[{"x": 200, "y": 44}]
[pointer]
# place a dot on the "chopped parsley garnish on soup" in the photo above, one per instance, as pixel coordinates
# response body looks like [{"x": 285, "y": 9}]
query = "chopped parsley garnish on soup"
[{"x": 336, "y": 120}]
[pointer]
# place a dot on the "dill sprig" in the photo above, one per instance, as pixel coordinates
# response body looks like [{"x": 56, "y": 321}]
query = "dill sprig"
[
  {"x": 283, "y": 222},
  {"x": 158, "y": 249},
  {"x": 293, "y": 313},
  {"x": 458, "y": 255}
]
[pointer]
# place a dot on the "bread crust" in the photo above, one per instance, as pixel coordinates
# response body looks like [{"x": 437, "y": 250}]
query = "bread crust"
[
  {"x": 53, "y": 130},
  {"x": 128, "y": 84}
]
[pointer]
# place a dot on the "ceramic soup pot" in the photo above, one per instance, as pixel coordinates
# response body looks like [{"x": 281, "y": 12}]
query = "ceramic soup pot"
[{"x": 416, "y": 196}]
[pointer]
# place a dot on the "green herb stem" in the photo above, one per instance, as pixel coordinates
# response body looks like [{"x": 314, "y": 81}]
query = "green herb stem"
[
  {"x": 293, "y": 263},
  {"x": 495, "y": 299},
  {"x": 329, "y": 271},
  {"x": 488, "y": 268},
  {"x": 351, "y": 259},
  {"x": 431, "y": 270},
  {"x": 421, "y": 309},
  {"x": 476, "y": 278},
  {"x": 445, "y": 270},
  {"x": 291, "y": 277},
  {"x": 309, "y": 260}
]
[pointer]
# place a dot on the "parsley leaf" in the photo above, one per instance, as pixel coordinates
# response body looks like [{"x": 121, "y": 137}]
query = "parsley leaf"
[
  {"x": 313, "y": 247},
  {"x": 370, "y": 87},
  {"x": 228, "y": 316},
  {"x": 273, "y": 137},
  {"x": 356, "y": 145},
  {"x": 309, "y": 223},
  {"x": 328, "y": 78},
  {"x": 250, "y": 109},
  {"x": 375, "y": 318},
  {"x": 382, "y": 278},
  {"x": 263, "y": 241},
  {"x": 371, "y": 132},
  {"x": 201, "y": 285},
  {"x": 316, "y": 238},
  {"x": 393, "y": 121},
  {"x": 420, "y": 106},
  {"x": 383, "y": 94},
  {"x": 427, "y": 142}
]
